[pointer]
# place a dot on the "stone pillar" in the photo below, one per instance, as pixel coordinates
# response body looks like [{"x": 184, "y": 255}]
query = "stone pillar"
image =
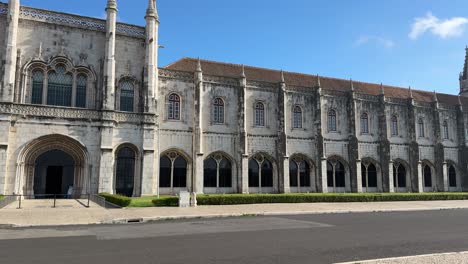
[
  {"x": 243, "y": 140},
  {"x": 151, "y": 57},
  {"x": 286, "y": 186},
  {"x": 353, "y": 146},
  {"x": 3, "y": 167},
  {"x": 445, "y": 177},
  {"x": 197, "y": 186},
  {"x": 384, "y": 144},
  {"x": 109, "y": 64},
  {"x": 8, "y": 87},
  {"x": 439, "y": 153},
  {"x": 420, "y": 187},
  {"x": 282, "y": 149},
  {"x": 462, "y": 149},
  {"x": 323, "y": 181},
  {"x": 321, "y": 161},
  {"x": 391, "y": 184},
  {"x": 414, "y": 159},
  {"x": 149, "y": 161},
  {"x": 106, "y": 167},
  {"x": 358, "y": 176}
]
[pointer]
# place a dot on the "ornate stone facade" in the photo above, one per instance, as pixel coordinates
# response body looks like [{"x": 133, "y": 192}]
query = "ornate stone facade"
[{"x": 91, "y": 89}]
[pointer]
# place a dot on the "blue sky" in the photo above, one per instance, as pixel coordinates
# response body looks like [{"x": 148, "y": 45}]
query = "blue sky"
[{"x": 398, "y": 42}]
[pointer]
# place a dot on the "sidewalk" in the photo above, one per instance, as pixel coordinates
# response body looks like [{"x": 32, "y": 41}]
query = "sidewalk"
[{"x": 47, "y": 216}]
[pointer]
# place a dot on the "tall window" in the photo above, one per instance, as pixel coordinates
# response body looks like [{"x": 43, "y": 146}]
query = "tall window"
[
  {"x": 217, "y": 172},
  {"x": 427, "y": 173},
  {"x": 37, "y": 86},
  {"x": 259, "y": 114},
  {"x": 421, "y": 127},
  {"x": 173, "y": 171},
  {"x": 394, "y": 127},
  {"x": 332, "y": 120},
  {"x": 299, "y": 173},
  {"x": 173, "y": 107},
  {"x": 369, "y": 175},
  {"x": 364, "y": 123},
  {"x": 125, "y": 171},
  {"x": 399, "y": 176},
  {"x": 446, "y": 130},
  {"x": 336, "y": 175},
  {"x": 452, "y": 177},
  {"x": 297, "y": 117},
  {"x": 260, "y": 172},
  {"x": 127, "y": 95},
  {"x": 59, "y": 90},
  {"x": 81, "y": 83},
  {"x": 218, "y": 111}
]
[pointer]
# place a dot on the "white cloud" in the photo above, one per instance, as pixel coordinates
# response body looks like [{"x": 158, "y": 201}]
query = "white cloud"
[
  {"x": 386, "y": 43},
  {"x": 447, "y": 28}
]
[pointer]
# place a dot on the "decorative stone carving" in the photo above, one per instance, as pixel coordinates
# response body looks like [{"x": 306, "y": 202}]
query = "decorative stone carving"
[{"x": 77, "y": 21}]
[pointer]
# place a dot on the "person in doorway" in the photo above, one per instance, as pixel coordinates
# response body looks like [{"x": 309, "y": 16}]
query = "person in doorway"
[{"x": 70, "y": 191}]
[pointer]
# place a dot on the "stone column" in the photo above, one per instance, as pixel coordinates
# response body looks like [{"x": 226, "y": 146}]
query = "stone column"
[
  {"x": 445, "y": 177},
  {"x": 109, "y": 64},
  {"x": 353, "y": 146},
  {"x": 323, "y": 182},
  {"x": 8, "y": 87},
  {"x": 420, "y": 187},
  {"x": 384, "y": 144},
  {"x": 391, "y": 184},
  {"x": 243, "y": 138},
  {"x": 106, "y": 165},
  {"x": 198, "y": 146},
  {"x": 282, "y": 149},
  {"x": 358, "y": 176},
  {"x": 151, "y": 58}
]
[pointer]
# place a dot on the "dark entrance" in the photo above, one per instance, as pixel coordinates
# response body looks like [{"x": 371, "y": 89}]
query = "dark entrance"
[
  {"x": 54, "y": 180},
  {"x": 54, "y": 174}
]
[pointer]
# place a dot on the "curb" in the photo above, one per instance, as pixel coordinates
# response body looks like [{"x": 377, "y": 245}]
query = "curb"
[{"x": 140, "y": 220}]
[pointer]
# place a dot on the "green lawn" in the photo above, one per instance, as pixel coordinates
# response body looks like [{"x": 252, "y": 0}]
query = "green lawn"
[
  {"x": 146, "y": 201},
  {"x": 1, "y": 196},
  {"x": 231, "y": 199}
]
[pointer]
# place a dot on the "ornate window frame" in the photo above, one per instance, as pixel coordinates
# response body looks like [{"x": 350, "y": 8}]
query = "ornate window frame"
[
  {"x": 136, "y": 95},
  {"x": 51, "y": 65}
]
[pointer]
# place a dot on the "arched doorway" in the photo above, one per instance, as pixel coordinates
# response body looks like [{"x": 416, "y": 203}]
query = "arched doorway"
[
  {"x": 53, "y": 174},
  {"x": 217, "y": 174},
  {"x": 52, "y": 151},
  {"x": 173, "y": 173},
  {"x": 261, "y": 174},
  {"x": 125, "y": 172}
]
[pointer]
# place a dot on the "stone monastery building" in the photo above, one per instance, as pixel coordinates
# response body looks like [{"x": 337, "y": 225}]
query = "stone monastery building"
[{"x": 83, "y": 104}]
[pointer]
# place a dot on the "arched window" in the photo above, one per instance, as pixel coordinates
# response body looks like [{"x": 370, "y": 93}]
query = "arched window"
[
  {"x": 394, "y": 127},
  {"x": 259, "y": 114},
  {"x": 260, "y": 172},
  {"x": 59, "y": 90},
  {"x": 332, "y": 120},
  {"x": 81, "y": 83},
  {"x": 446, "y": 130},
  {"x": 369, "y": 175},
  {"x": 452, "y": 176},
  {"x": 125, "y": 171},
  {"x": 37, "y": 86},
  {"x": 218, "y": 111},
  {"x": 297, "y": 117},
  {"x": 299, "y": 173},
  {"x": 399, "y": 176},
  {"x": 127, "y": 96},
  {"x": 173, "y": 171},
  {"x": 336, "y": 174},
  {"x": 427, "y": 176},
  {"x": 421, "y": 127},
  {"x": 364, "y": 123},
  {"x": 173, "y": 107},
  {"x": 217, "y": 172}
]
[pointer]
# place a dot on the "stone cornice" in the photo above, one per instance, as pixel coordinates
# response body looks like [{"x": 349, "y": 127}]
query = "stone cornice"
[
  {"x": 76, "y": 114},
  {"x": 89, "y": 23}
]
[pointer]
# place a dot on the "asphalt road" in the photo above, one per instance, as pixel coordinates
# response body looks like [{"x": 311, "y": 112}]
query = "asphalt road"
[{"x": 283, "y": 239}]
